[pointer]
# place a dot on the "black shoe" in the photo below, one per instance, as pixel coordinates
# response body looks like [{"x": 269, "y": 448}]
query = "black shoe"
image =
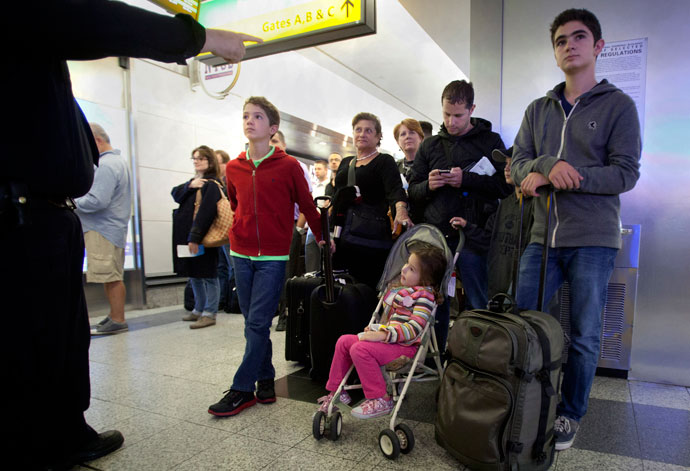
[
  {"x": 265, "y": 391},
  {"x": 233, "y": 403},
  {"x": 282, "y": 322},
  {"x": 104, "y": 444}
]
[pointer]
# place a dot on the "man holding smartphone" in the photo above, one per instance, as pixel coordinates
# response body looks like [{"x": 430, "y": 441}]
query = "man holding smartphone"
[{"x": 443, "y": 186}]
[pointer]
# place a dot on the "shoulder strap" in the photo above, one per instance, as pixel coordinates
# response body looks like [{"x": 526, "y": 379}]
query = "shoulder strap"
[
  {"x": 351, "y": 172},
  {"x": 220, "y": 187},
  {"x": 547, "y": 390}
]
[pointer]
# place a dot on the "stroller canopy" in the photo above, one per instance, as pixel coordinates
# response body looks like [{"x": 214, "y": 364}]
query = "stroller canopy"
[{"x": 401, "y": 251}]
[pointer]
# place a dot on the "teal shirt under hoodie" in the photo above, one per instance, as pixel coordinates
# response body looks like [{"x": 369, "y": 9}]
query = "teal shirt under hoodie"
[{"x": 601, "y": 139}]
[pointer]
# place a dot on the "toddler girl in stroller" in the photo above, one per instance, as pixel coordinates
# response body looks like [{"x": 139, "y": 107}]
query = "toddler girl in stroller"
[{"x": 408, "y": 304}]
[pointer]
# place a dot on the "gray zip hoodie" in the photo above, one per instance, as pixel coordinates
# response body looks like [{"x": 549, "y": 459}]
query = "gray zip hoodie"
[{"x": 601, "y": 139}]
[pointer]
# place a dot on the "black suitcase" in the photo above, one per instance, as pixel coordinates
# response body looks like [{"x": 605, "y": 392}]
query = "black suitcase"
[
  {"x": 336, "y": 309},
  {"x": 299, "y": 289}
]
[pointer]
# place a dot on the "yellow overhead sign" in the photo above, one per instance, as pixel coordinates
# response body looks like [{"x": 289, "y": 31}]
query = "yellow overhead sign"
[
  {"x": 305, "y": 18},
  {"x": 292, "y": 23}
]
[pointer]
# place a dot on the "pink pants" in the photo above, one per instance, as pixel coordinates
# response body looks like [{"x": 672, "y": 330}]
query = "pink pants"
[{"x": 368, "y": 357}]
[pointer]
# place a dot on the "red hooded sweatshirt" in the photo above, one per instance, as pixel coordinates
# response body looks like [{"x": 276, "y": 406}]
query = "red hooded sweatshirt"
[{"x": 263, "y": 199}]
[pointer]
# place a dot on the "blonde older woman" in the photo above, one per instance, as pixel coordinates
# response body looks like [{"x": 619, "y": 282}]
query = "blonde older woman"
[{"x": 409, "y": 135}]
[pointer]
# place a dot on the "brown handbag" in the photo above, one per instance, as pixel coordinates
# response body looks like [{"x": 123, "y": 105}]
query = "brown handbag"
[{"x": 217, "y": 234}]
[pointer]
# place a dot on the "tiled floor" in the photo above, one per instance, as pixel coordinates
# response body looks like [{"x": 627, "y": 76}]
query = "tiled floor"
[{"x": 155, "y": 382}]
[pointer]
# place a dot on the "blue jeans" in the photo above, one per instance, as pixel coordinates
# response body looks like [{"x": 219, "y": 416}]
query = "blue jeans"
[
  {"x": 205, "y": 296},
  {"x": 473, "y": 270},
  {"x": 259, "y": 284},
  {"x": 225, "y": 274},
  {"x": 588, "y": 270}
]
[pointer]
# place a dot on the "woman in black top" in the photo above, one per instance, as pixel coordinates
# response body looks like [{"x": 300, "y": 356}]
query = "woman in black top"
[
  {"x": 378, "y": 180},
  {"x": 190, "y": 230}
]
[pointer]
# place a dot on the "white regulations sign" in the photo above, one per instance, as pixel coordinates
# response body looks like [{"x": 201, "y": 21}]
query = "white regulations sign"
[{"x": 624, "y": 64}]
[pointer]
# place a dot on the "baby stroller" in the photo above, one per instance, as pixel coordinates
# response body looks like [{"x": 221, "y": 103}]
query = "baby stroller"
[{"x": 399, "y": 438}]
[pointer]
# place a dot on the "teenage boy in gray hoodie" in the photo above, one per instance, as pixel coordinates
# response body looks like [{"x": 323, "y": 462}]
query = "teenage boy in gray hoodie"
[{"x": 582, "y": 139}]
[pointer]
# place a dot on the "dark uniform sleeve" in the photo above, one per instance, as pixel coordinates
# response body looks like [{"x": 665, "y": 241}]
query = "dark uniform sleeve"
[{"x": 93, "y": 29}]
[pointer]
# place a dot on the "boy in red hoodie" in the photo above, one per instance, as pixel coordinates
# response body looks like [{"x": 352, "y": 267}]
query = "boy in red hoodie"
[{"x": 264, "y": 183}]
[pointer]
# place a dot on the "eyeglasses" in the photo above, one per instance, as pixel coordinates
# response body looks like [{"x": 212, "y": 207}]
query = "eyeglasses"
[{"x": 198, "y": 159}]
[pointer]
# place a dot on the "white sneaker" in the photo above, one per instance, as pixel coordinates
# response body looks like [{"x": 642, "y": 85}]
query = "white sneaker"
[{"x": 372, "y": 408}]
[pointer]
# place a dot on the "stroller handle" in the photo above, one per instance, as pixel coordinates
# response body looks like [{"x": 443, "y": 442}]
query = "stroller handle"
[{"x": 461, "y": 243}]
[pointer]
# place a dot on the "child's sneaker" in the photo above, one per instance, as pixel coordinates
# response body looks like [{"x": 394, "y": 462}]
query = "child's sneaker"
[
  {"x": 232, "y": 403},
  {"x": 373, "y": 408},
  {"x": 325, "y": 400}
]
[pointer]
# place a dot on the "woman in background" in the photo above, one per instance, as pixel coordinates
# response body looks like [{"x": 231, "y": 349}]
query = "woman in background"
[
  {"x": 189, "y": 230},
  {"x": 409, "y": 135}
]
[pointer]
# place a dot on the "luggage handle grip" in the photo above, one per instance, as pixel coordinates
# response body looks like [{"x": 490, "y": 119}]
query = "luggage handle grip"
[{"x": 324, "y": 203}]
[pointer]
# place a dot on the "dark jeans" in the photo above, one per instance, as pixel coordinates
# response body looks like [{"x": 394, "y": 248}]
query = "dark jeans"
[
  {"x": 258, "y": 285},
  {"x": 225, "y": 274},
  {"x": 46, "y": 362},
  {"x": 587, "y": 270}
]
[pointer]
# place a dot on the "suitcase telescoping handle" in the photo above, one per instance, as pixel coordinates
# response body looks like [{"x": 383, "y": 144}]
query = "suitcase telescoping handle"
[
  {"x": 324, "y": 204},
  {"x": 503, "y": 302},
  {"x": 544, "y": 253}
]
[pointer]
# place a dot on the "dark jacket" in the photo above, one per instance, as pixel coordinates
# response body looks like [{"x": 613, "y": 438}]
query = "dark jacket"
[
  {"x": 478, "y": 196},
  {"x": 503, "y": 227},
  {"x": 601, "y": 139},
  {"x": 187, "y": 228}
]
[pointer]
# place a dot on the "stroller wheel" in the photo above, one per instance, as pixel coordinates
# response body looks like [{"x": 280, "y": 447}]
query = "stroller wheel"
[
  {"x": 406, "y": 438},
  {"x": 336, "y": 426},
  {"x": 389, "y": 444},
  {"x": 319, "y": 425}
]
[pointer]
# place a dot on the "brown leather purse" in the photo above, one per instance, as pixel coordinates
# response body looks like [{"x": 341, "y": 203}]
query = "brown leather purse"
[{"x": 218, "y": 234}]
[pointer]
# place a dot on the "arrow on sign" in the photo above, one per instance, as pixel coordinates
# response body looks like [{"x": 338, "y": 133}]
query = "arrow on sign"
[{"x": 347, "y": 4}]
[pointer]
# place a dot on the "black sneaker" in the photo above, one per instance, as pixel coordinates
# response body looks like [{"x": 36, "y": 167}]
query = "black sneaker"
[
  {"x": 265, "y": 391},
  {"x": 565, "y": 429},
  {"x": 282, "y": 322},
  {"x": 233, "y": 403}
]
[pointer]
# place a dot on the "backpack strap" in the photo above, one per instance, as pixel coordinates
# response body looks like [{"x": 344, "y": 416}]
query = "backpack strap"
[{"x": 547, "y": 390}]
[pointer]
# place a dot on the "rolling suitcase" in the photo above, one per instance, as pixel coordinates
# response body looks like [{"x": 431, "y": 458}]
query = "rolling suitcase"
[
  {"x": 336, "y": 309},
  {"x": 497, "y": 399},
  {"x": 299, "y": 289}
]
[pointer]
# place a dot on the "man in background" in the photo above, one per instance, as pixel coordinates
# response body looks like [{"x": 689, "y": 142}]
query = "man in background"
[
  {"x": 105, "y": 212},
  {"x": 445, "y": 184},
  {"x": 428, "y": 128},
  {"x": 333, "y": 163},
  {"x": 312, "y": 253}
]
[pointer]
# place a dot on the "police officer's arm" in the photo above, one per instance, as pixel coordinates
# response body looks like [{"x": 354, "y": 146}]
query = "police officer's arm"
[{"x": 84, "y": 30}]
